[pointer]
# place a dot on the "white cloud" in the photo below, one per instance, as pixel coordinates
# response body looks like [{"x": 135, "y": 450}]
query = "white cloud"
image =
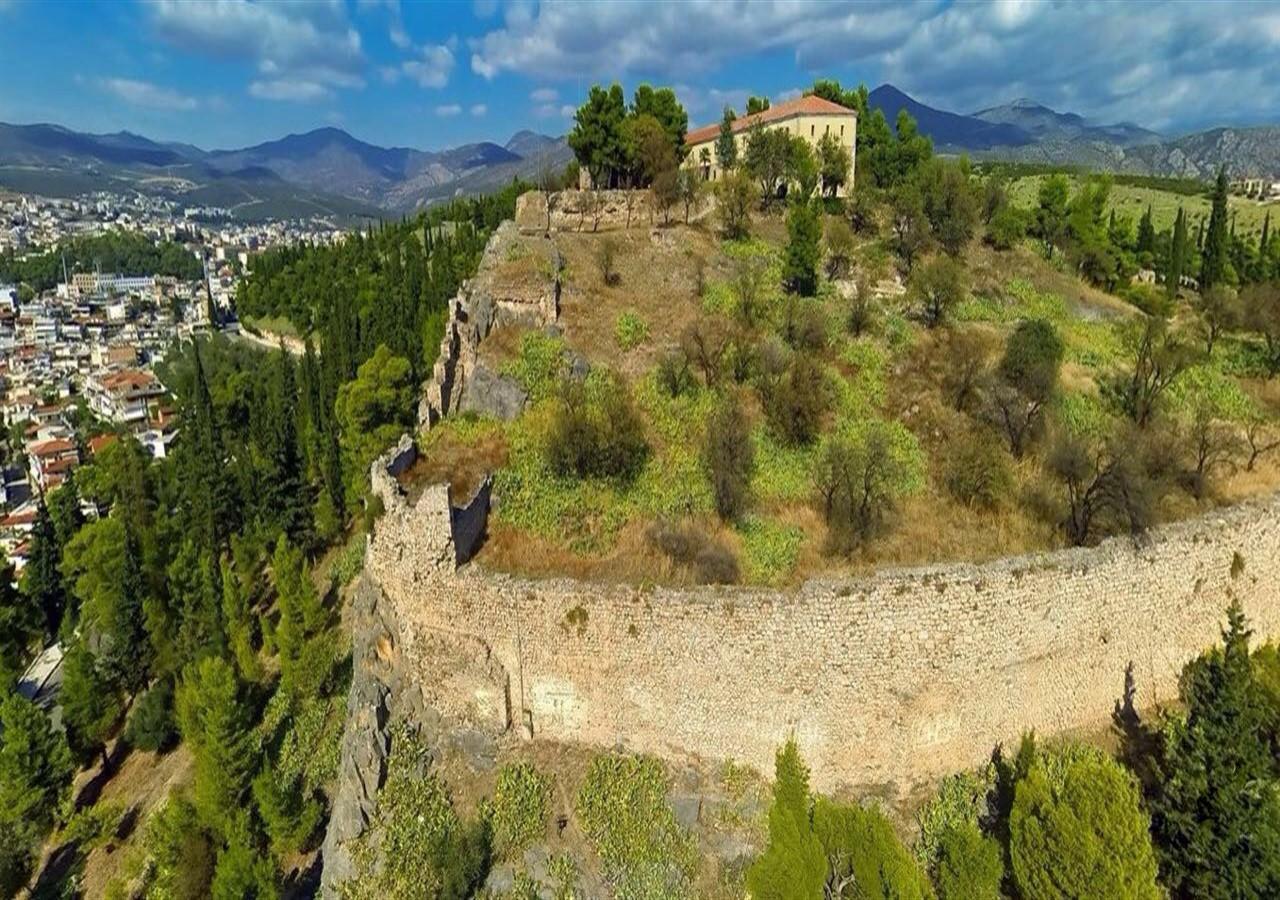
[
  {"x": 432, "y": 68},
  {"x": 545, "y": 95},
  {"x": 479, "y": 109},
  {"x": 145, "y": 93},
  {"x": 298, "y": 48},
  {"x": 1198, "y": 62},
  {"x": 301, "y": 91},
  {"x": 448, "y": 110},
  {"x": 567, "y": 111}
]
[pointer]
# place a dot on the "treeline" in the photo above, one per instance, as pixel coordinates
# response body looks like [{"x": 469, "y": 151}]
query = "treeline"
[
  {"x": 388, "y": 286},
  {"x": 119, "y": 252},
  {"x": 1009, "y": 170},
  {"x": 1188, "y": 807},
  {"x": 185, "y": 603}
]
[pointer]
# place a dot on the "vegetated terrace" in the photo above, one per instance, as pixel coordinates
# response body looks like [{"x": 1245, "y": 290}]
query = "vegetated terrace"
[{"x": 909, "y": 411}]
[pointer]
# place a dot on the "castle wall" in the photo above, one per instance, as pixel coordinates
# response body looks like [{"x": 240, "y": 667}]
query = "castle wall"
[{"x": 894, "y": 678}]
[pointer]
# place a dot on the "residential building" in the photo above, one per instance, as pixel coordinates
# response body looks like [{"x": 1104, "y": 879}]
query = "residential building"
[
  {"x": 809, "y": 117},
  {"x": 122, "y": 397}
]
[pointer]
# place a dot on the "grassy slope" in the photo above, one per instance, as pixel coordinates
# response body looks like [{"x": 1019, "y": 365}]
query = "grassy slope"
[{"x": 548, "y": 525}]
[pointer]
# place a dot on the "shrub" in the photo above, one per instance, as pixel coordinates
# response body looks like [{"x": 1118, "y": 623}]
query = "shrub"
[
  {"x": 1007, "y": 228},
  {"x": 540, "y": 366},
  {"x": 1150, "y": 299},
  {"x": 796, "y": 402},
  {"x": 803, "y": 326},
  {"x": 94, "y": 825},
  {"x": 770, "y": 550},
  {"x": 674, "y": 374},
  {"x": 595, "y": 431},
  {"x": 622, "y": 808},
  {"x": 857, "y": 484},
  {"x": 518, "y": 812},
  {"x": 936, "y": 288},
  {"x": 977, "y": 472},
  {"x": 863, "y": 308},
  {"x": 735, "y": 194},
  {"x": 705, "y": 343},
  {"x": 970, "y": 866},
  {"x": 710, "y": 561},
  {"x": 804, "y": 235},
  {"x": 729, "y": 456},
  {"x": 607, "y": 262},
  {"x": 630, "y": 330},
  {"x": 151, "y": 726},
  {"x": 1077, "y": 829},
  {"x": 838, "y": 237}
]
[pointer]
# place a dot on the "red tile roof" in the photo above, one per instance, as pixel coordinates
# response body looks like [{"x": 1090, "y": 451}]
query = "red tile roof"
[
  {"x": 808, "y": 105},
  {"x": 100, "y": 441},
  {"x": 51, "y": 447},
  {"x": 26, "y": 517}
]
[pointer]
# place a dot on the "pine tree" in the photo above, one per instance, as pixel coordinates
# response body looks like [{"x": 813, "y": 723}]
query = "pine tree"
[
  {"x": 239, "y": 624},
  {"x": 804, "y": 236},
  {"x": 242, "y": 873},
  {"x": 126, "y": 655},
  {"x": 792, "y": 866},
  {"x": 91, "y": 706},
  {"x": 35, "y": 768},
  {"x": 1216, "y": 811},
  {"x": 213, "y": 716},
  {"x": 305, "y": 656},
  {"x": 1215, "y": 262}
]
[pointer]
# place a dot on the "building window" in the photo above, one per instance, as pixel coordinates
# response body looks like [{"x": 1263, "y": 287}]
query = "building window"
[
  {"x": 826, "y": 129},
  {"x": 841, "y": 131},
  {"x": 811, "y": 128}
]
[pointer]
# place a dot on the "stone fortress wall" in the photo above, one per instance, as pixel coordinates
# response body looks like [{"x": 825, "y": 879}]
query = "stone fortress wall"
[{"x": 892, "y": 679}]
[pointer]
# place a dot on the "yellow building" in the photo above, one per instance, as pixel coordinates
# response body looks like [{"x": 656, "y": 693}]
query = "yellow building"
[{"x": 809, "y": 117}]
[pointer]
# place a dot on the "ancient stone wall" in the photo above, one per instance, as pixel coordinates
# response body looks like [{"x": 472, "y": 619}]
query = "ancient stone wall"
[
  {"x": 895, "y": 678},
  {"x": 598, "y": 211}
]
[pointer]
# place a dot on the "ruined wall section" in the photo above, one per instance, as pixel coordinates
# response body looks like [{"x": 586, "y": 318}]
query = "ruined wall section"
[
  {"x": 517, "y": 283},
  {"x": 895, "y": 678}
]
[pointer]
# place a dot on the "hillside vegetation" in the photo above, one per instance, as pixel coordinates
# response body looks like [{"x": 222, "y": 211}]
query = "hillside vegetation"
[{"x": 926, "y": 372}]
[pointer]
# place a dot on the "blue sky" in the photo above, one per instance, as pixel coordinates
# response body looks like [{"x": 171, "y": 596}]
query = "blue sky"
[{"x": 227, "y": 73}]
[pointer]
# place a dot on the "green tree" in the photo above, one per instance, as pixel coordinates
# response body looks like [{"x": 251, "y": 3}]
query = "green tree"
[
  {"x": 768, "y": 159},
  {"x": 834, "y": 164},
  {"x": 735, "y": 195},
  {"x": 757, "y": 105},
  {"x": 726, "y": 144},
  {"x": 1216, "y": 810},
  {"x": 1177, "y": 255},
  {"x": 20, "y": 622},
  {"x": 662, "y": 105},
  {"x": 950, "y": 204},
  {"x": 35, "y": 769},
  {"x": 597, "y": 138},
  {"x": 374, "y": 409},
  {"x": 864, "y": 857},
  {"x": 305, "y": 654},
  {"x": 42, "y": 581},
  {"x": 91, "y": 706},
  {"x": 729, "y": 457},
  {"x": 792, "y": 866},
  {"x": 1051, "y": 212},
  {"x": 1026, "y": 380},
  {"x": 1077, "y": 829},
  {"x": 1146, "y": 243},
  {"x": 242, "y": 873},
  {"x": 936, "y": 288},
  {"x": 1215, "y": 259},
  {"x": 215, "y": 719},
  {"x": 804, "y": 251},
  {"x": 969, "y": 865}
]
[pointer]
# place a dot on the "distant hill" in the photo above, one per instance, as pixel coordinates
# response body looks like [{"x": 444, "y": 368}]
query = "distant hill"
[
  {"x": 1042, "y": 123},
  {"x": 947, "y": 129},
  {"x": 322, "y": 169}
]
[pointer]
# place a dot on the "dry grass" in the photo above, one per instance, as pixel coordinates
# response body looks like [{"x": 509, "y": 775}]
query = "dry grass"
[
  {"x": 463, "y": 465},
  {"x": 657, "y": 274}
]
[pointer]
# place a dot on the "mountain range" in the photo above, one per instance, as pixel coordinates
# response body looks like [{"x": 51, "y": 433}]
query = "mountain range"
[
  {"x": 325, "y": 171},
  {"x": 329, "y": 172},
  {"x": 1026, "y": 131}
]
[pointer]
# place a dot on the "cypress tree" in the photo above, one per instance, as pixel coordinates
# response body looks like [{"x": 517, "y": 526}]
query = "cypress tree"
[
  {"x": 726, "y": 146},
  {"x": 1266, "y": 235},
  {"x": 1216, "y": 811},
  {"x": 1146, "y": 233},
  {"x": 1215, "y": 262},
  {"x": 20, "y": 621},
  {"x": 42, "y": 581},
  {"x": 1177, "y": 254},
  {"x": 792, "y": 866}
]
